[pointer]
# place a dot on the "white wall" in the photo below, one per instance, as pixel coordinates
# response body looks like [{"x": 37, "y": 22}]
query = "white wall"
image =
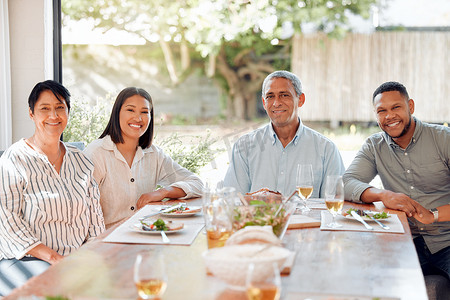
[
  {"x": 5, "y": 79},
  {"x": 30, "y": 32}
]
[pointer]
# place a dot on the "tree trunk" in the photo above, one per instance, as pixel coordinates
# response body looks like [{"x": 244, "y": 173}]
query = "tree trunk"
[
  {"x": 168, "y": 57},
  {"x": 211, "y": 65},
  {"x": 251, "y": 106},
  {"x": 244, "y": 82},
  {"x": 235, "y": 94},
  {"x": 239, "y": 106},
  {"x": 254, "y": 73},
  {"x": 185, "y": 57}
]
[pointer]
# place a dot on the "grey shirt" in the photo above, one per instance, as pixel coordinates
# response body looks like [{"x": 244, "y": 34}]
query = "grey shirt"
[{"x": 421, "y": 171}]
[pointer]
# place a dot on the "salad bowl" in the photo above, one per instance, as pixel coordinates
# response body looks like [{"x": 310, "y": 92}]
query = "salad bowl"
[{"x": 262, "y": 212}]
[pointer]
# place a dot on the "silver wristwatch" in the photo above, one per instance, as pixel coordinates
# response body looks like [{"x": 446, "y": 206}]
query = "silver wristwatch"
[{"x": 435, "y": 213}]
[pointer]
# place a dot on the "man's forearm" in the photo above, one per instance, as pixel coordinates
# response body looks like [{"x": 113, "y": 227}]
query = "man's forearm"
[
  {"x": 392, "y": 200},
  {"x": 372, "y": 195},
  {"x": 354, "y": 188}
]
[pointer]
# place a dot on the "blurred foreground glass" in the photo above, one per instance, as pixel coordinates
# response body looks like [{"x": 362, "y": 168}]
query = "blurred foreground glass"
[
  {"x": 263, "y": 287},
  {"x": 150, "y": 275},
  {"x": 334, "y": 198},
  {"x": 305, "y": 184}
]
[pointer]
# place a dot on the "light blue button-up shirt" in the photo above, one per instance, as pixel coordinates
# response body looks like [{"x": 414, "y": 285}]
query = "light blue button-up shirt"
[{"x": 260, "y": 160}]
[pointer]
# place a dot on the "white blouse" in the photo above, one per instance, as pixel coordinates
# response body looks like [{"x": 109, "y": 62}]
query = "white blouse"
[
  {"x": 38, "y": 205},
  {"x": 121, "y": 186}
]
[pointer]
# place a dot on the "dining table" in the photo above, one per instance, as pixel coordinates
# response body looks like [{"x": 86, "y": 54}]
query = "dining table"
[{"x": 326, "y": 264}]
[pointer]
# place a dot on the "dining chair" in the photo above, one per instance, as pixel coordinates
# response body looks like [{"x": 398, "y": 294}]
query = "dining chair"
[{"x": 79, "y": 145}]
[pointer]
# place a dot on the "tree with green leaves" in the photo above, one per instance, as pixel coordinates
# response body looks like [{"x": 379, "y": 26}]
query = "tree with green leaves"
[{"x": 237, "y": 42}]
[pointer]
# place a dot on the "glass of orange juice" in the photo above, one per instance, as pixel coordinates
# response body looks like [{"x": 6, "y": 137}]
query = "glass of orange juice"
[{"x": 150, "y": 275}]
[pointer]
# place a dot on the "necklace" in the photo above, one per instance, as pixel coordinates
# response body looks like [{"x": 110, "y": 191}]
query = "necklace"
[{"x": 59, "y": 153}]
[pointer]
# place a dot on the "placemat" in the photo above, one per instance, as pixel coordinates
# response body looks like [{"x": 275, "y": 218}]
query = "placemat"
[
  {"x": 125, "y": 234},
  {"x": 350, "y": 224}
]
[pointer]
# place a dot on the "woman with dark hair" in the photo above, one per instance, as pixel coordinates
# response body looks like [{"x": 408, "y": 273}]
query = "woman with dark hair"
[
  {"x": 49, "y": 200},
  {"x": 128, "y": 167}
]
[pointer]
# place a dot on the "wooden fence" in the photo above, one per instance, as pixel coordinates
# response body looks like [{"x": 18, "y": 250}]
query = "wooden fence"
[{"x": 339, "y": 76}]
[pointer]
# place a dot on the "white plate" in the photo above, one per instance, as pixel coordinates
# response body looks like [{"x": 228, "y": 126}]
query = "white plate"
[
  {"x": 138, "y": 228},
  {"x": 192, "y": 211},
  {"x": 367, "y": 219}
]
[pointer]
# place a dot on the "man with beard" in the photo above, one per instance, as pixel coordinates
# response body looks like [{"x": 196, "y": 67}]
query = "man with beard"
[{"x": 412, "y": 159}]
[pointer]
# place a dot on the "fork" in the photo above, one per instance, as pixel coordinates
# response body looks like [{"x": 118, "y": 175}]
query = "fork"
[
  {"x": 164, "y": 237},
  {"x": 364, "y": 213}
]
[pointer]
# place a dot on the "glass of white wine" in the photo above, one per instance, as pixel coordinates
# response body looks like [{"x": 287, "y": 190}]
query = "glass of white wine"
[
  {"x": 305, "y": 183},
  {"x": 263, "y": 287},
  {"x": 334, "y": 198},
  {"x": 150, "y": 275}
]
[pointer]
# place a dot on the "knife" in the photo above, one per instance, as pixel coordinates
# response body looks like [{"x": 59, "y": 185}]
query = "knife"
[
  {"x": 358, "y": 218},
  {"x": 162, "y": 211}
]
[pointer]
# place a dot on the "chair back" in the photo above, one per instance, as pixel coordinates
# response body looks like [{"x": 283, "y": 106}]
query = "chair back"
[{"x": 79, "y": 145}]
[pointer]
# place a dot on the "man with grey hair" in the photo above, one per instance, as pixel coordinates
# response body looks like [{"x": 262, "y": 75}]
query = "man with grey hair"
[{"x": 268, "y": 157}]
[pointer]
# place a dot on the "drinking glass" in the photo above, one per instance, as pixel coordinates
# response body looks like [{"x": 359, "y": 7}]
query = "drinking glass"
[
  {"x": 305, "y": 183},
  {"x": 218, "y": 223},
  {"x": 263, "y": 287},
  {"x": 229, "y": 194},
  {"x": 150, "y": 275},
  {"x": 210, "y": 195},
  {"x": 334, "y": 197}
]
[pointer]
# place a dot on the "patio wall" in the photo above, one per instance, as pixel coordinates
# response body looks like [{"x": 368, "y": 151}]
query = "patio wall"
[{"x": 339, "y": 76}]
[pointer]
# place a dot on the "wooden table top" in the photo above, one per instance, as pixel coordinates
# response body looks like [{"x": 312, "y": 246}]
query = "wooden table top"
[{"x": 363, "y": 265}]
